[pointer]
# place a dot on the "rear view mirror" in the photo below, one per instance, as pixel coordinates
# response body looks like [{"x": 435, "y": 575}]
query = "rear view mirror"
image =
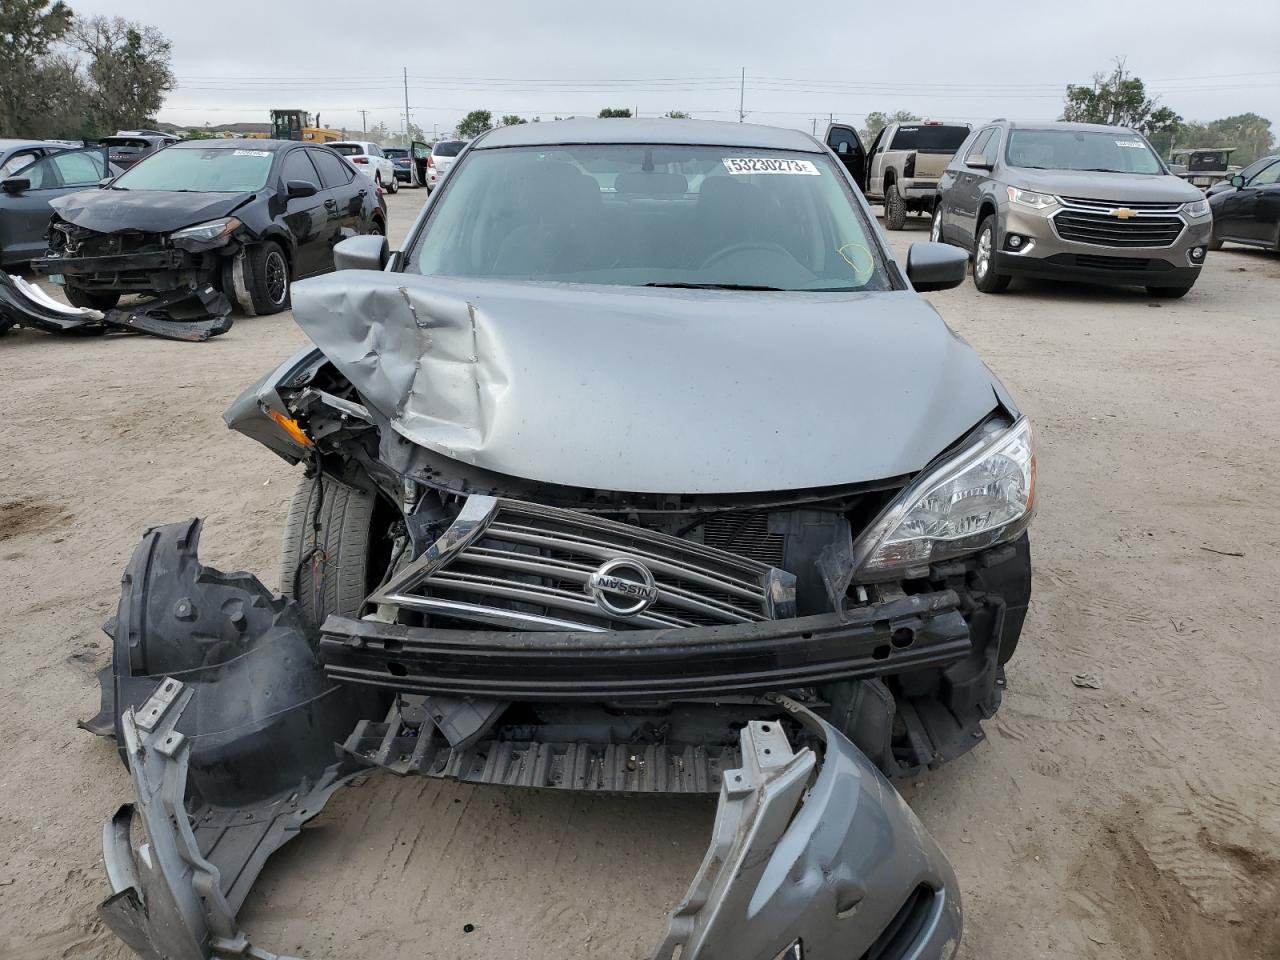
[
  {"x": 361, "y": 253},
  {"x": 300, "y": 188},
  {"x": 936, "y": 266},
  {"x": 1237, "y": 181},
  {"x": 15, "y": 185},
  {"x": 980, "y": 162}
]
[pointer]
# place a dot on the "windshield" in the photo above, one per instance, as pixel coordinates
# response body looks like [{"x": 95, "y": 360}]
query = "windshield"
[
  {"x": 651, "y": 215},
  {"x": 448, "y": 148},
  {"x": 1103, "y": 151},
  {"x": 395, "y": 153},
  {"x": 199, "y": 169},
  {"x": 929, "y": 138}
]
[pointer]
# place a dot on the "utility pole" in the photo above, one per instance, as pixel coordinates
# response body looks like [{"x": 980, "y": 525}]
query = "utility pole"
[
  {"x": 742, "y": 90},
  {"x": 364, "y": 125},
  {"x": 406, "y": 103}
]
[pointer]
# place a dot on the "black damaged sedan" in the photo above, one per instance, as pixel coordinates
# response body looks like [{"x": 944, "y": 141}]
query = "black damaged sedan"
[{"x": 243, "y": 216}]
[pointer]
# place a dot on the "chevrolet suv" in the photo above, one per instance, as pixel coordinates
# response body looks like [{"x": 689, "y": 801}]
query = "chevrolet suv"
[{"x": 1071, "y": 201}]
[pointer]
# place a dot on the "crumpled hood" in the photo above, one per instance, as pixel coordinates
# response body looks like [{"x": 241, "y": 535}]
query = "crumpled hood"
[
  {"x": 151, "y": 211},
  {"x": 652, "y": 390},
  {"x": 1113, "y": 187}
]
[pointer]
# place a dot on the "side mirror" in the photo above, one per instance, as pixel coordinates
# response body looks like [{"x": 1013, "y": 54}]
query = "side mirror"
[
  {"x": 1237, "y": 181},
  {"x": 842, "y": 147},
  {"x": 15, "y": 185},
  {"x": 300, "y": 188},
  {"x": 980, "y": 162},
  {"x": 362, "y": 253},
  {"x": 936, "y": 266}
]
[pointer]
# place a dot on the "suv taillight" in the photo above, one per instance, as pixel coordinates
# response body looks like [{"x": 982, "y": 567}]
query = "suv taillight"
[
  {"x": 359, "y": 159},
  {"x": 431, "y": 161}
]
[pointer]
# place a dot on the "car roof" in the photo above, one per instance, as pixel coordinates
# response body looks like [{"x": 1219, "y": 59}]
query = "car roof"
[
  {"x": 1064, "y": 125},
  {"x": 240, "y": 144},
  {"x": 13, "y": 143},
  {"x": 622, "y": 130}
]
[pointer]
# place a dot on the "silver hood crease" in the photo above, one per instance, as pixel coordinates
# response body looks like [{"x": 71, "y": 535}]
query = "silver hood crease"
[{"x": 490, "y": 373}]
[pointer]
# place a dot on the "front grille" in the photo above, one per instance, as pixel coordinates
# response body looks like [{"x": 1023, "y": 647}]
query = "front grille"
[
  {"x": 515, "y": 564},
  {"x": 116, "y": 244},
  {"x": 1106, "y": 206},
  {"x": 1104, "y": 229},
  {"x": 746, "y": 535}
]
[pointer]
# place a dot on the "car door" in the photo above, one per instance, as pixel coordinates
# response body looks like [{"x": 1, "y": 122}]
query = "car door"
[
  {"x": 345, "y": 200},
  {"x": 306, "y": 217},
  {"x": 420, "y": 151},
  {"x": 19, "y": 159},
  {"x": 960, "y": 220},
  {"x": 875, "y": 162},
  {"x": 848, "y": 147},
  {"x": 25, "y": 213},
  {"x": 1251, "y": 213}
]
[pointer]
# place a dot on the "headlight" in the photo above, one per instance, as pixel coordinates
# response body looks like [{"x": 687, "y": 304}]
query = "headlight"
[
  {"x": 1029, "y": 198},
  {"x": 1196, "y": 208},
  {"x": 203, "y": 232},
  {"x": 982, "y": 496}
]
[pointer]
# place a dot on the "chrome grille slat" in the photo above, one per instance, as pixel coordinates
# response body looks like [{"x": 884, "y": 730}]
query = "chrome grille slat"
[
  {"x": 580, "y": 574},
  {"x": 1103, "y": 229},
  {"x": 518, "y": 564}
]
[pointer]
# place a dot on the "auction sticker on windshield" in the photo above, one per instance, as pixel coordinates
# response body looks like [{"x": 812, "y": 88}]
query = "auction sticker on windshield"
[
  {"x": 770, "y": 165},
  {"x": 1134, "y": 144}
]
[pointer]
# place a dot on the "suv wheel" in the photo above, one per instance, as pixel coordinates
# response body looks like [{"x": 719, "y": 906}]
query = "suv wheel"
[
  {"x": 1168, "y": 293},
  {"x": 326, "y": 554},
  {"x": 935, "y": 228},
  {"x": 985, "y": 277},
  {"x": 395, "y": 185},
  {"x": 895, "y": 208},
  {"x": 93, "y": 300}
]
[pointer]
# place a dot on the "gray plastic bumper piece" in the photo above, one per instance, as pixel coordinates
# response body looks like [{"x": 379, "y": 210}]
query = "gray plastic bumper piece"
[{"x": 808, "y": 861}]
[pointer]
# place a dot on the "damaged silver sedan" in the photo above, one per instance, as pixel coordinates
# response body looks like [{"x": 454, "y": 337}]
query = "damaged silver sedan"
[{"x": 643, "y": 468}]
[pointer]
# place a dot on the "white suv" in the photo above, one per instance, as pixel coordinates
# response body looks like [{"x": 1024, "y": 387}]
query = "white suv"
[
  {"x": 369, "y": 160},
  {"x": 442, "y": 156}
]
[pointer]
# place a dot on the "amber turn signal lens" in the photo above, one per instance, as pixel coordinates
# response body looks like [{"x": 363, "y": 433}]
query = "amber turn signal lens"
[{"x": 291, "y": 427}]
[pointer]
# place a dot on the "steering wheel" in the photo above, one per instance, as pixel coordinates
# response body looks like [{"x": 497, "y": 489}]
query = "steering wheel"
[{"x": 743, "y": 247}]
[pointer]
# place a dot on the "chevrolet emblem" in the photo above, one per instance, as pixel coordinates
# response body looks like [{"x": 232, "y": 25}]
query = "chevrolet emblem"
[{"x": 1124, "y": 213}]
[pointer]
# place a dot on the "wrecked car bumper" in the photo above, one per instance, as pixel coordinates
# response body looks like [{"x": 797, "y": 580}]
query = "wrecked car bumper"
[
  {"x": 823, "y": 854},
  {"x": 229, "y": 724}
]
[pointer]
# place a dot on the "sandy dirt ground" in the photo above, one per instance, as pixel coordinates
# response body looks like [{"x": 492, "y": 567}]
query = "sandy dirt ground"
[{"x": 1138, "y": 820}]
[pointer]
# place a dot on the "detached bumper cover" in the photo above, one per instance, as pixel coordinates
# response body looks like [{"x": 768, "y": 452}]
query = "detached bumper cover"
[
  {"x": 228, "y": 726},
  {"x": 826, "y": 855}
]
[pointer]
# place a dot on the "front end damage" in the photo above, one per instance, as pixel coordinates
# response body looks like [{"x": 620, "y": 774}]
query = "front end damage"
[
  {"x": 788, "y": 649},
  {"x": 227, "y": 722}
]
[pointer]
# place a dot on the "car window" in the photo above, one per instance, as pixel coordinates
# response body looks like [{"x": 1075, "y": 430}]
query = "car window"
[
  {"x": 17, "y": 161},
  {"x": 374, "y": 150},
  {"x": 636, "y": 215},
  {"x": 979, "y": 146},
  {"x": 1253, "y": 169},
  {"x": 333, "y": 172},
  {"x": 298, "y": 167},
  {"x": 421, "y": 150},
  {"x": 929, "y": 137},
  {"x": 843, "y": 135},
  {"x": 346, "y": 149},
  {"x": 395, "y": 153},
  {"x": 448, "y": 148},
  {"x": 1103, "y": 151},
  {"x": 1267, "y": 176},
  {"x": 878, "y": 142},
  {"x": 198, "y": 168},
  {"x": 79, "y": 169}
]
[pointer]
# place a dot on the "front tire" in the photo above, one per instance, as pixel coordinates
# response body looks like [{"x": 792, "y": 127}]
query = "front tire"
[
  {"x": 1168, "y": 293},
  {"x": 1215, "y": 244},
  {"x": 895, "y": 208},
  {"x": 395, "y": 185},
  {"x": 985, "y": 277},
  {"x": 258, "y": 279},
  {"x": 94, "y": 300},
  {"x": 327, "y": 548}
]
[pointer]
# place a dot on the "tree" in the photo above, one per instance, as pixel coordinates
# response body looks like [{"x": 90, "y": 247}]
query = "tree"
[
  {"x": 676, "y": 115},
  {"x": 1119, "y": 99},
  {"x": 128, "y": 70},
  {"x": 877, "y": 120},
  {"x": 1249, "y": 133},
  {"x": 475, "y": 123},
  {"x": 378, "y": 133},
  {"x": 28, "y": 29},
  {"x": 512, "y": 120},
  {"x": 615, "y": 112}
]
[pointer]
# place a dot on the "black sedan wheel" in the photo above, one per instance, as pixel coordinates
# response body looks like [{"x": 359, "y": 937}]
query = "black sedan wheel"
[{"x": 258, "y": 279}]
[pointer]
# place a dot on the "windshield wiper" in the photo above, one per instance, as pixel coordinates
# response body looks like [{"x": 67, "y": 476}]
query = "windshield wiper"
[{"x": 714, "y": 286}]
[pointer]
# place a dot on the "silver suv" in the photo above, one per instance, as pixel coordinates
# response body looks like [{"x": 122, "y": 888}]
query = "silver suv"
[{"x": 1071, "y": 201}]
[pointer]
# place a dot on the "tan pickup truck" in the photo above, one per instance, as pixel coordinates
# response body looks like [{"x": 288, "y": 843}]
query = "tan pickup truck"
[{"x": 904, "y": 164}]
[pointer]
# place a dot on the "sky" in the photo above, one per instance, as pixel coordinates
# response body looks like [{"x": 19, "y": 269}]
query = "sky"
[{"x": 804, "y": 60}]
